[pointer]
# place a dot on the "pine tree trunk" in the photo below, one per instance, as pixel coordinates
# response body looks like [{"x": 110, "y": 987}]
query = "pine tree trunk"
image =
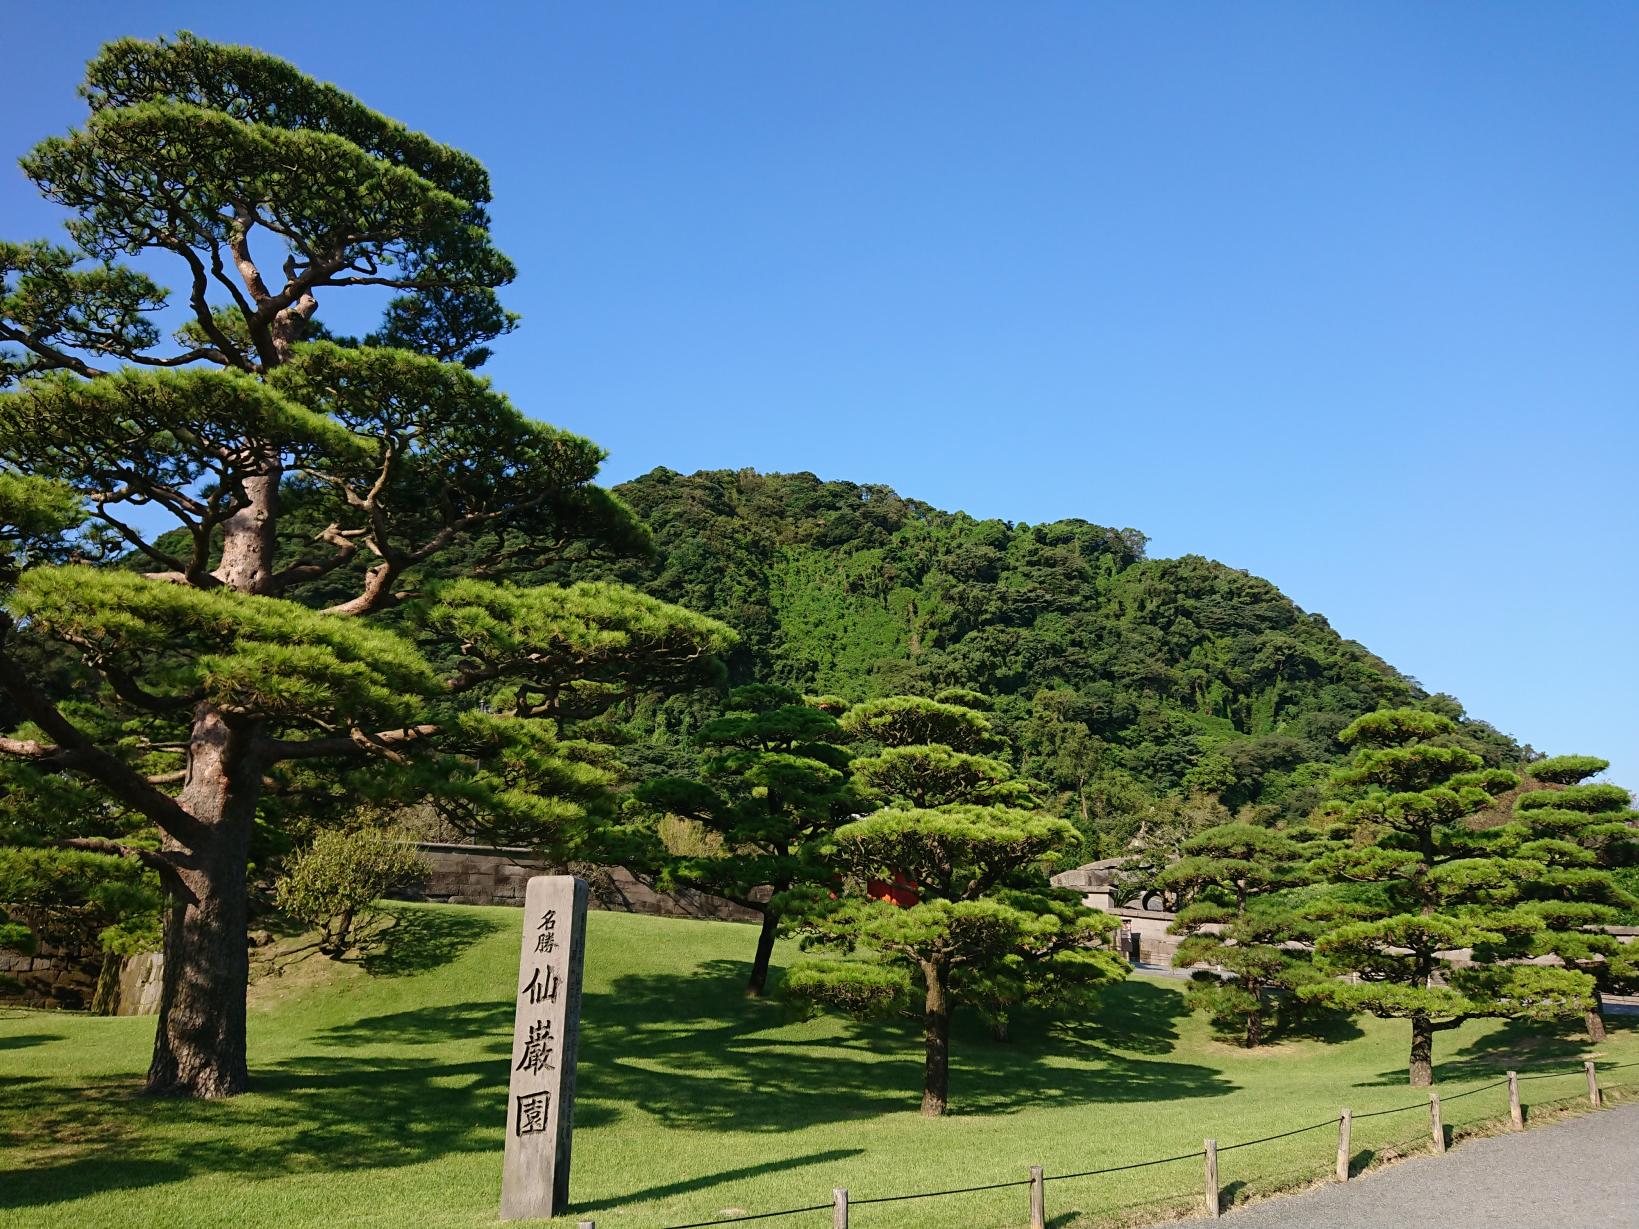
[
  {"x": 758, "y": 983},
  {"x": 1422, "y": 1052},
  {"x": 1254, "y": 1029},
  {"x": 248, "y": 537},
  {"x": 1595, "y": 1018},
  {"x": 936, "y": 1037},
  {"x": 199, "y": 1044},
  {"x": 105, "y": 998}
]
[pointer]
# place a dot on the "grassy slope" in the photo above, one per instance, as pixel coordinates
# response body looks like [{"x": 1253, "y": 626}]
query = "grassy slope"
[{"x": 380, "y": 1096}]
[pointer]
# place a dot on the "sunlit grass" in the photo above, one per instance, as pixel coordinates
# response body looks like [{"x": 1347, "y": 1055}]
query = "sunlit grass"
[{"x": 379, "y": 1096}]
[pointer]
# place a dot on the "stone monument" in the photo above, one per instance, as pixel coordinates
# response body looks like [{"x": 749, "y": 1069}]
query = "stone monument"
[{"x": 546, "y": 1032}]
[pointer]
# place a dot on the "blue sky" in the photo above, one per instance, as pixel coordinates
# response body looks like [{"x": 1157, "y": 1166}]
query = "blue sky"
[{"x": 1342, "y": 294}]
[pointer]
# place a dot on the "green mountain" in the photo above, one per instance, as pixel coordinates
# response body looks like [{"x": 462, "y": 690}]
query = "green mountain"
[{"x": 1114, "y": 674}]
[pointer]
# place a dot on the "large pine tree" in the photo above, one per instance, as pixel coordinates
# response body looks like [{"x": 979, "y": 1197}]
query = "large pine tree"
[
  {"x": 287, "y": 499},
  {"x": 1439, "y": 937},
  {"x": 1581, "y": 833}
]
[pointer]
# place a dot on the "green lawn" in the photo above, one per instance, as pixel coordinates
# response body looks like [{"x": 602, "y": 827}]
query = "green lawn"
[{"x": 380, "y": 1095}]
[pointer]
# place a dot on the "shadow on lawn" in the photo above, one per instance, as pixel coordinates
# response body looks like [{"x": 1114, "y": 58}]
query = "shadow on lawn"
[
  {"x": 1526, "y": 1046},
  {"x": 716, "y": 1179},
  {"x": 691, "y": 1050},
  {"x": 21, "y": 1041},
  {"x": 420, "y": 940},
  {"x": 695, "y": 1053}
]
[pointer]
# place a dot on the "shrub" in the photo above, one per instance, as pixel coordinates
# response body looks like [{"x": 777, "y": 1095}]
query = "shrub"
[{"x": 333, "y": 883}]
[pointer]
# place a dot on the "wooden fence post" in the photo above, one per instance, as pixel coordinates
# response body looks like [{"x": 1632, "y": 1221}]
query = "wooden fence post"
[
  {"x": 1210, "y": 1148},
  {"x": 1516, "y": 1115},
  {"x": 1594, "y": 1097},
  {"x": 839, "y": 1207},
  {"x": 1343, "y": 1126},
  {"x": 1436, "y": 1127},
  {"x": 1038, "y": 1199},
  {"x": 586, "y": 1224}
]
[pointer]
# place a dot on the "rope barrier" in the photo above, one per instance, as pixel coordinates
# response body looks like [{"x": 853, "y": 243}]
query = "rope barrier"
[
  {"x": 1458, "y": 1096},
  {"x": 1168, "y": 1160},
  {"x": 1330, "y": 1122},
  {"x": 1420, "y": 1105},
  {"x": 961, "y": 1190},
  {"x": 730, "y": 1220},
  {"x": 1115, "y": 1169}
]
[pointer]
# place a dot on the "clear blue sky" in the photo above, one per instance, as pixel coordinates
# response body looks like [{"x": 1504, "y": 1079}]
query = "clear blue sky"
[{"x": 1343, "y": 294}]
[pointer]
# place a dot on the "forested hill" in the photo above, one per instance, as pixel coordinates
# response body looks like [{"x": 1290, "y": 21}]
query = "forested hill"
[{"x": 1113, "y": 673}]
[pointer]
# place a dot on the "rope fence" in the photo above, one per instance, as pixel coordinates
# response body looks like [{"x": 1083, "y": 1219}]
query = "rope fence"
[{"x": 1209, "y": 1151}]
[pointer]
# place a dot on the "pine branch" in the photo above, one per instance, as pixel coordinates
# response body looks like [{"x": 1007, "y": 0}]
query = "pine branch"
[{"x": 121, "y": 780}]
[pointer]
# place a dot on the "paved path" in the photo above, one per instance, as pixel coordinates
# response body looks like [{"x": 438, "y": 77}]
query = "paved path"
[{"x": 1582, "y": 1173}]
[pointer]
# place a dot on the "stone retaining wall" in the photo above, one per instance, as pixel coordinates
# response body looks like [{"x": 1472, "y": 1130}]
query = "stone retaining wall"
[
  {"x": 56, "y": 975},
  {"x": 497, "y": 875}
]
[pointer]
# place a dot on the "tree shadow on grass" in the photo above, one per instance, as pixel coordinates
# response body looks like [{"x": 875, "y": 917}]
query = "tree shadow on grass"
[
  {"x": 696, "y": 1054},
  {"x": 1135, "y": 1016},
  {"x": 1516, "y": 1045},
  {"x": 421, "y": 939},
  {"x": 1320, "y": 1024},
  {"x": 49, "y": 1183},
  {"x": 687, "y": 1048},
  {"x": 21, "y": 1041},
  {"x": 668, "y": 1189},
  {"x": 428, "y": 1026}
]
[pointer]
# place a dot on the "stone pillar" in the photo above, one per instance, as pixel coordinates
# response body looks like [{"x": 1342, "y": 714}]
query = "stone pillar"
[{"x": 546, "y": 1033}]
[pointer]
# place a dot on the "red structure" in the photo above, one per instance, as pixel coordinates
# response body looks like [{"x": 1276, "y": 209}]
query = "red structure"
[{"x": 901, "y": 891}]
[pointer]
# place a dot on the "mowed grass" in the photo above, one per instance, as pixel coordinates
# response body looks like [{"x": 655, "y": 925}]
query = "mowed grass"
[{"x": 380, "y": 1093}]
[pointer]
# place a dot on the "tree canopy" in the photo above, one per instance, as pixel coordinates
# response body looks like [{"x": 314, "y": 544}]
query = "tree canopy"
[
  {"x": 341, "y": 516},
  {"x": 774, "y": 786},
  {"x": 1429, "y": 888}
]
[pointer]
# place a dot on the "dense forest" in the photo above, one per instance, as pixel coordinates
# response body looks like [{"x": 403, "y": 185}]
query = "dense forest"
[{"x": 1124, "y": 683}]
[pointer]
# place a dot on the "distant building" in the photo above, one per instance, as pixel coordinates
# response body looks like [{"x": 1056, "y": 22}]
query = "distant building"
[{"x": 1096, "y": 883}]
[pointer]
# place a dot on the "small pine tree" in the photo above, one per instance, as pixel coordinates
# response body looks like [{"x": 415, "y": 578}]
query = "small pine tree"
[
  {"x": 774, "y": 787},
  {"x": 962, "y": 909},
  {"x": 334, "y": 884},
  {"x": 1235, "y": 919}
]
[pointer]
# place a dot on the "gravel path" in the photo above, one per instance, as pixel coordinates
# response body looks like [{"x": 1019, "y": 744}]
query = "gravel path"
[{"x": 1582, "y": 1173}]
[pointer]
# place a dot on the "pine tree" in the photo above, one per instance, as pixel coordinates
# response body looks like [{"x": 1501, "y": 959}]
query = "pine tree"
[
  {"x": 287, "y": 628},
  {"x": 774, "y": 787},
  {"x": 950, "y": 899},
  {"x": 1580, "y": 833},
  {"x": 1436, "y": 887},
  {"x": 1235, "y": 918}
]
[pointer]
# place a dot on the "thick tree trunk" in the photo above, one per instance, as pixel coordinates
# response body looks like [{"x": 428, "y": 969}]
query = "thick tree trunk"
[
  {"x": 936, "y": 1038},
  {"x": 1595, "y": 1018},
  {"x": 199, "y": 1045},
  {"x": 758, "y": 982},
  {"x": 1422, "y": 1052},
  {"x": 248, "y": 538}
]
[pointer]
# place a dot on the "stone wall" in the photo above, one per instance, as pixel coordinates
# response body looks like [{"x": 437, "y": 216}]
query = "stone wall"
[
  {"x": 497, "y": 875},
  {"x": 57, "y": 975},
  {"x": 65, "y": 976}
]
